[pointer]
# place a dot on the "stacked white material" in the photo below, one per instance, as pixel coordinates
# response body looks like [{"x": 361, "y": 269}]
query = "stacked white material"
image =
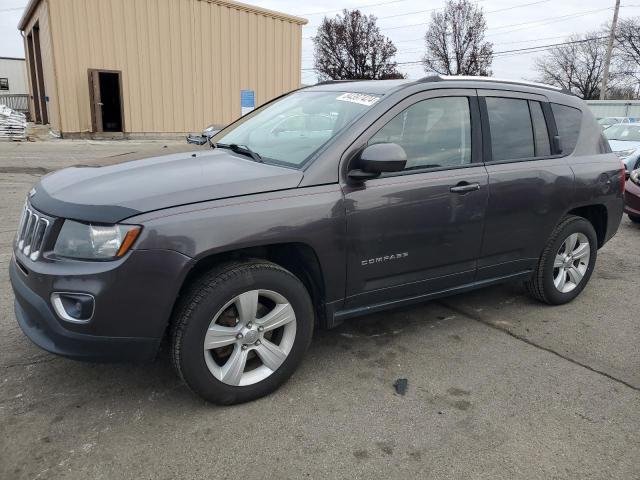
[{"x": 13, "y": 124}]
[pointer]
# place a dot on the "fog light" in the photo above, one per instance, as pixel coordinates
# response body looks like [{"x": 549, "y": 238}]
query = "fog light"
[{"x": 73, "y": 307}]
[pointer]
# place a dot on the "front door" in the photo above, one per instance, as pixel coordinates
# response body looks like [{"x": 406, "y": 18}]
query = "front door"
[{"x": 418, "y": 231}]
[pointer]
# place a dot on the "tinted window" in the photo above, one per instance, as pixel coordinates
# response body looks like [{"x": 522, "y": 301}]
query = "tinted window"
[
  {"x": 568, "y": 121},
  {"x": 543, "y": 148},
  {"x": 511, "y": 131},
  {"x": 434, "y": 133}
]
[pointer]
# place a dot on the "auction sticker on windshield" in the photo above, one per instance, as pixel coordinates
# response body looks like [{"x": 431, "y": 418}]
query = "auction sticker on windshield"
[{"x": 360, "y": 98}]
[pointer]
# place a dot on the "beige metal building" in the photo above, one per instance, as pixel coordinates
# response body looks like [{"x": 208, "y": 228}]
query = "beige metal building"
[{"x": 155, "y": 67}]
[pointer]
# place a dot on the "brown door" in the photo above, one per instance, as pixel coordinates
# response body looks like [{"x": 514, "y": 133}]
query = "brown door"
[
  {"x": 105, "y": 96},
  {"x": 34, "y": 79},
  {"x": 94, "y": 98},
  {"x": 42, "y": 96}
]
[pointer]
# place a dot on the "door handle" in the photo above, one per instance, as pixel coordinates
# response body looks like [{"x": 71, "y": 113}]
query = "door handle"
[{"x": 464, "y": 187}]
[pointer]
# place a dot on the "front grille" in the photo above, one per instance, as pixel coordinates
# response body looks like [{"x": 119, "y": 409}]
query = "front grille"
[{"x": 32, "y": 232}]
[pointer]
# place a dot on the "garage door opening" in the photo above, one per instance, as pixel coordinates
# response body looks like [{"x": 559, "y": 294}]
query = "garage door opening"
[{"x": 105, "y": 88}]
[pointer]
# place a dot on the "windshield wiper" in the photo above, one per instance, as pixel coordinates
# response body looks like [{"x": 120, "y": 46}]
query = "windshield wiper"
[{"x": 241, "y": 149}]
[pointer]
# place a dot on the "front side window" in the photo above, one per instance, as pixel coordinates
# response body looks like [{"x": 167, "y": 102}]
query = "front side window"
[
  {"x": 434, "y": 133},
  {"x": 568, "y": 120},
  {"x": 290, "y": 130},
  {"x": 4, "y": 84},
  {"x": 511, "y": 129}
]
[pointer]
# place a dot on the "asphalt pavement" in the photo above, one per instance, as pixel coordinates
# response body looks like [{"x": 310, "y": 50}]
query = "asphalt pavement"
[{"x": 499, "y": 386}]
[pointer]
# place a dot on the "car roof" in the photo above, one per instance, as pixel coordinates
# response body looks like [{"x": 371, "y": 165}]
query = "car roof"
[{"x": 384, "y": 87}]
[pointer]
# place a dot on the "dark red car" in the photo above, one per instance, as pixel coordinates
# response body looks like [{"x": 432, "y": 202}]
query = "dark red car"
[{"x": 632, "y": 196}]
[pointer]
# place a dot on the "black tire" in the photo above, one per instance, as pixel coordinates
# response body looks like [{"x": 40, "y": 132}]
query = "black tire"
[
  {"x": 541, "y": 285},
  {"x": 634, "y": 218},
  {"x": 206, "y": 296}
]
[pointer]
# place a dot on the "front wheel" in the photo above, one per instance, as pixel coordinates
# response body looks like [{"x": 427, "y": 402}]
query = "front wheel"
[
  {"x": 634, "y": 218},
  {"x": 241, "y": 331},
  {"x": 566, "y": 263}
]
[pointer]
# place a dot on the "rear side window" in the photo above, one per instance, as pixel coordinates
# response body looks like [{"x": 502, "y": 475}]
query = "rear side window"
[
  {"x": 543, "y": 148},
  {"x": 568, "y": 120},
  {"x": 511, "y": 129}
]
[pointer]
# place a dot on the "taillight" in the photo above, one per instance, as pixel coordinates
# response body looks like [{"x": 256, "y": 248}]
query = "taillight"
[{"x": 623, "y": 178}]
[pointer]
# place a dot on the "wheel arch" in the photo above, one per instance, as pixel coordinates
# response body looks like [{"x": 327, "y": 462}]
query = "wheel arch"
[
  {"x": 598, "y": 216},
  {"x": 297, "y": 257}
]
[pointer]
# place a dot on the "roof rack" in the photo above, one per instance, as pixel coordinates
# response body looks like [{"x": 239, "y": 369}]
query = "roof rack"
[
  {"x": 329, "y": 82},
  {"x": 443, "y": 78}
]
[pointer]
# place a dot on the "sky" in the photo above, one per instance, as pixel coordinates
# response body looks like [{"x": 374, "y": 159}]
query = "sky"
[{"x": 511, "y": 24}]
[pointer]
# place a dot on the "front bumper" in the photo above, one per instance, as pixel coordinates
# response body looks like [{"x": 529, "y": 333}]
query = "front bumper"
[
  {"x": 632, "y": 199},
  {"x": 134, "y": 299}
]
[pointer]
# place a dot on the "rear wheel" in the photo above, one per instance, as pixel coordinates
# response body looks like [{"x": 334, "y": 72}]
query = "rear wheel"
[
  {"x": 241, "y": 331},
  {"x": 634, "y": 218},
  {"x": 566, "y": 263}
]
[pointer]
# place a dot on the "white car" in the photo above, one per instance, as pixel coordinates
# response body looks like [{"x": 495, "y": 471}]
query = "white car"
[
  {"x": 606, "y": 122},
  {"x": 624, "y": 139}
]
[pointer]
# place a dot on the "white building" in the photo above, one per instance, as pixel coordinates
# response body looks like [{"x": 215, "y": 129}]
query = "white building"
[{"x": 13, "y": 76}]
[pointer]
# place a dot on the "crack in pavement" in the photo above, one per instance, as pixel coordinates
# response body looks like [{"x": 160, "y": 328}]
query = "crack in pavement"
[
  {"x": 27, "y": 364},
  {"x": 479, "y": 319}
]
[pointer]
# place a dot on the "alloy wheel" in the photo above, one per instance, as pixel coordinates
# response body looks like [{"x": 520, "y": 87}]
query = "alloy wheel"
[
  {"x": 250, "y": 337},
  {"x": 571, "y": 262}
]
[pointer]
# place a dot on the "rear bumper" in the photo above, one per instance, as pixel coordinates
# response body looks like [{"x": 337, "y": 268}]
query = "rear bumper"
[{"x": 39, "y": 323}]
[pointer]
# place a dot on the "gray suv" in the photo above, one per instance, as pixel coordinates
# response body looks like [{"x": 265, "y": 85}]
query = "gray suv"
[{"x": 329, "y": 202}]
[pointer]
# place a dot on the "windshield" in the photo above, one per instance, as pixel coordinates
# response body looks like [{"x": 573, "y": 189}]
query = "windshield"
[
  {"x": 288, "y": 131},
  {"x": 609, "y": 121},
  {"x": 630, "y": 133}
]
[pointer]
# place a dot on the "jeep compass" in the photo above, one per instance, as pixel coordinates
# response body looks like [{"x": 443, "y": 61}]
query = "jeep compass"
[{"x": 329, "y": 202}]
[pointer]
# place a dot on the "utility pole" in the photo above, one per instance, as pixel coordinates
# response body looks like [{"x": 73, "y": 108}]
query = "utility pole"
[{"x": 607, "y": 60}]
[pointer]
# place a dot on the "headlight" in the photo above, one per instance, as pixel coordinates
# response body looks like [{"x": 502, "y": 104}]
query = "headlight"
[
  {"x": 635, "y": 176},
  {"x": 625, "y": 153},
  {"x": 94, "y": 242}
]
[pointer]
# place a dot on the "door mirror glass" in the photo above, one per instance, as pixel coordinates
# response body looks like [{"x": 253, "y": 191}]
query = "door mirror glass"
[{"x": 383, "y": 157}]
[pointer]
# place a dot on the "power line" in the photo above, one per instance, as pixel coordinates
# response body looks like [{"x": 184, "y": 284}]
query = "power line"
[
  {"x": 340, "y": 9},
  {"x": 12, "y": 9},
  {"x": 422, "y": 49},
  {"x": 542, "y": 21},
  {"x": 526, "y": 50},
  {"x": 442, "y": 8}
]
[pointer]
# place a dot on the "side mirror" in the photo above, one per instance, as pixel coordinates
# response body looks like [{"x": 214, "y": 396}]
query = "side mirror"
[
  {"x": 196, "y": 139},
  {"x": 378, "y": 158}
]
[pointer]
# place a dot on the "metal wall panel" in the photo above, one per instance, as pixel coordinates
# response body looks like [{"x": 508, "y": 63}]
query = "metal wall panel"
[
  {"x": 183, "y": 62},
  {"x": 615, "y": 108},
  {"x": 42, "y": 18},
  {"x": 15, "y": 70}
]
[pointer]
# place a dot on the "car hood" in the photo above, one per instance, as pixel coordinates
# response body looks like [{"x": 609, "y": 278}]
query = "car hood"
[
  {"x": 619, "y": 145},
  {"x": 112, "y": 193}
]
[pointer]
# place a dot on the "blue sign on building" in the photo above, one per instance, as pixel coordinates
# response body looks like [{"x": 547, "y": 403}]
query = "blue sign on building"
[{"x": 247, "y": 101}]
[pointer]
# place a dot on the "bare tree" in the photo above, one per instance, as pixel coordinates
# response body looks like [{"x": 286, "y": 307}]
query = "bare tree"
[
  {"x": 628, "y": 47},
  {"x": 350, "y": 46},
  {"x": 577, "y": 66},
  {"x": 455, "y": 41}
]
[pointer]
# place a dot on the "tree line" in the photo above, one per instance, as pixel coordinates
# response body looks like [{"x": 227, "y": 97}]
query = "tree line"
[{"x": 350, "y": 46}]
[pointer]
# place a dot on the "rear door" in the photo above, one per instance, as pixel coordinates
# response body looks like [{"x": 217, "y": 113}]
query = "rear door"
[
  {"x": 418, "y": 231},
  {"x": 530, "y": 182}
]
